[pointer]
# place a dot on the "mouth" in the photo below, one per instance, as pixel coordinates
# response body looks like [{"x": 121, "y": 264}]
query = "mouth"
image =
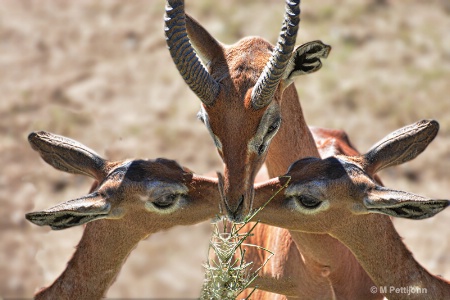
[{"x": 235, "y": 215}]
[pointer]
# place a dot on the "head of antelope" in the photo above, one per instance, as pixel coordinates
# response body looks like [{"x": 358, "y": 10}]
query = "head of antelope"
[
  {"x": 148, "y": 195},
  {"x": 326, "y": 195},
  {"x": 241, "y": 88}
]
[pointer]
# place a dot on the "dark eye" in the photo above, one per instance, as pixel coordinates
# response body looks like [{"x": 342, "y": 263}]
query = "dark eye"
[
  {"x": 273, "y": 127},
  {"x": 309, "y": 201},
  {"x": 166, "y": 201},
  {"x": 261, "y": 149}
]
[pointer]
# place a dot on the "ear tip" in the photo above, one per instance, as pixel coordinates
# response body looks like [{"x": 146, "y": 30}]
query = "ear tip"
[
  {"x": 435, "y": 125},
  {"x": 29, "y": 216},
  {"x": 431, "y": 122},
  {"x": 431, "y": 125},
  {"x": 34, "y": 217},
  {"x": 327, "y": 49},
  {"x": 35, "y": 137}
]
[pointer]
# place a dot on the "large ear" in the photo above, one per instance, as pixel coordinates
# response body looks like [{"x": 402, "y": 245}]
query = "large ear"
[
  {"x": 400, "y": 146},
  {"x": 68, "y": 155},
  {"x": 72, "y": 213},
  {"x": 205, "y": 45},
  {"x": 402, "y": 204},
  {"x": 305, "y": 59}
]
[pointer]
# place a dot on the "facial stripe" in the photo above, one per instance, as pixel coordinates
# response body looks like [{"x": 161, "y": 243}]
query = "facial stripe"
[
  {"x": 203, "y": 116},
  {"x": 263, "y": 137}
]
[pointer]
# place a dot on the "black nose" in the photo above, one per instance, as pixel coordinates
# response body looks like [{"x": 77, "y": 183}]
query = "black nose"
[{"x": 235, "y": 213}]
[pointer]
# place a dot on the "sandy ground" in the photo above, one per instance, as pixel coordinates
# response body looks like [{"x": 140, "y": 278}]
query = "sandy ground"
[{"x": 99, "y": 72}]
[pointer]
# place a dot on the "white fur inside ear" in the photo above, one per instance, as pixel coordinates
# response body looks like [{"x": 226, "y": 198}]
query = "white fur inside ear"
[{"x": 313, "y": 65}]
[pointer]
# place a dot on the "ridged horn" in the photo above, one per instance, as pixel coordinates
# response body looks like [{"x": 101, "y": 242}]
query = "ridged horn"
[
  {"x": 183, "y": 54},
  {"x": 273, "y": 71}
]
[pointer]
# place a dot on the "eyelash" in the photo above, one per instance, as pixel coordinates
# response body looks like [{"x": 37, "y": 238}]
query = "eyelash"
[
  {"x": 261, "y": 149},
  {"x": 273, "y": 127}
]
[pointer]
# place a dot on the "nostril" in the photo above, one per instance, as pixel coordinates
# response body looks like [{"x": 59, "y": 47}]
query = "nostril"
[{"x": 240, "y": 201}]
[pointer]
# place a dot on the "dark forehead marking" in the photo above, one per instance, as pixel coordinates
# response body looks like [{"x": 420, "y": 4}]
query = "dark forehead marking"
[
  {"x": 334, "y": 168},
  {"x": 312, "y": 168},
  {"x": 140, "y": 170}
]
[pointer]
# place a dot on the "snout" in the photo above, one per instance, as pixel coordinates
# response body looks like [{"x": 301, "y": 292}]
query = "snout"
[
  {"x": 236, "y": 202},
  {"x": 234, "y": 212}
]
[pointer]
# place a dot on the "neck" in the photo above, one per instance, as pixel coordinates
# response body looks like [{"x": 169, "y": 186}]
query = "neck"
[
  {"x": 103, "y": 249},
  {"x": 289, "y": 272},
  {"x": 391, "y": 266},
  {"x": 324, "y": 259},
  {"x": 293, "y": 140}
]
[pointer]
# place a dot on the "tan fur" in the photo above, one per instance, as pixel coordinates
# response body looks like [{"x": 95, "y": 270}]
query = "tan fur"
[
  {"x": 234, "y": 122},
  {"x": 312, "y": 255},
  {"x": 124, "y": 186},
  {"x": 370, "y": 237}
]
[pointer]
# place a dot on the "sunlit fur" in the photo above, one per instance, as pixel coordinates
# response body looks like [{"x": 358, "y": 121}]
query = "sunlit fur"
[
  {"x": 354, "y": 201},
  {"x": 140, "y": 197},
  {"x": 241, "y": 130}
]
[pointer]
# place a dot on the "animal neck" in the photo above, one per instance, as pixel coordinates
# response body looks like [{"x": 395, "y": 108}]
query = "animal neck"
[
  {"x": 287, "y": 272},
  {"x": 327, "y": 259},
  {"x": 324, "y": 259},
  {"x": 103, "y": 249},
  {"x": 293, "y": 140},
  {"x": 392, "y": 266}
]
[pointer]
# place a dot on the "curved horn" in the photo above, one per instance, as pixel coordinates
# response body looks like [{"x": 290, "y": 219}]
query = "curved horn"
[
  {"x": 183, "y": 54},
  {"x": 270, "y": 77}
]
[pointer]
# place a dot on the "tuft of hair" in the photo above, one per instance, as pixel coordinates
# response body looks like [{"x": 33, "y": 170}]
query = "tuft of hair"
[{"x": 228, "y": 273}]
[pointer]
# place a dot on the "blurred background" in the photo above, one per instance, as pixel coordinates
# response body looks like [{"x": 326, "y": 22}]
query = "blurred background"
[{"x": 99, "y": 72}]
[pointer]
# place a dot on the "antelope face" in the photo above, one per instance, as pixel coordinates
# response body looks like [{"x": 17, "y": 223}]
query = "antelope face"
[
  {"x": 320, "y": 194},
  {"x": 148, "y": 195},
  {"x": 241, "y": 133},
  {"x": 157, "y": 186},
  {"x": 240, "y": 90},
  {"x": 326, "y": 195}
]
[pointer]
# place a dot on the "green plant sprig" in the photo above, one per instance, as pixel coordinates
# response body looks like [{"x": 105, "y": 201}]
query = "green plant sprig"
[{"x": 227, "y": 274}]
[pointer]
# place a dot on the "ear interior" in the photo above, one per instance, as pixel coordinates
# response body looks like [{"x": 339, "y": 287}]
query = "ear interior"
[
  {"x": 403, "y": 205},
  {"x": 72, "y": 213},
  {"x": 306, "y": 59}
]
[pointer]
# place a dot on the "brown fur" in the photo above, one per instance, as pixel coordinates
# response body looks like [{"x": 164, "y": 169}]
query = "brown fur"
[
  {"x": 348, "y": 181},
  {"x": 124, "y": 187},
  {"x": 314, "y": 260}
]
